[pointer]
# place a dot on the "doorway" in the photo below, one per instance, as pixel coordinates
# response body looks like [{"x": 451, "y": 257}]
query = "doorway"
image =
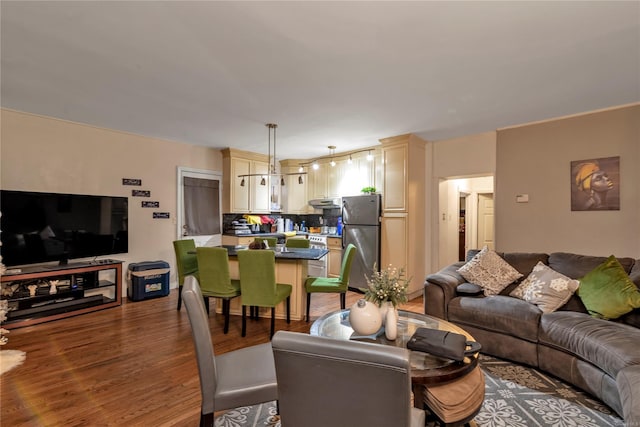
[
  {"x": 461, "y": 217},
  {"x": 199, "y": 206},
  {"x": 485, "y": 221}
]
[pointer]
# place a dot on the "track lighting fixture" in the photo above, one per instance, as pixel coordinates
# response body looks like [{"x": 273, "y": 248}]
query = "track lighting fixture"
[
  {"x": 332, "y": 158},
  {"x": 300, "y": 181},
  {"x": 272, "y": 162}
]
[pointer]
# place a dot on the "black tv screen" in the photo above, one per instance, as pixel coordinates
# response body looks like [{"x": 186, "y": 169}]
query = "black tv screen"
[{"x": 43, "y": 227}]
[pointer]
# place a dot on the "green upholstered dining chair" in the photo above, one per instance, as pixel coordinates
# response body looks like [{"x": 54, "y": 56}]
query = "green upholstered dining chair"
[
  {"x": 215, "y": 281},
  {"x": 297, "y": 243},
  {"x": 186, "y": 263},
  {"x": 271, "y": 241},
  {"x": 258, "y": 284},
  {"x": 332, "y": 284}
]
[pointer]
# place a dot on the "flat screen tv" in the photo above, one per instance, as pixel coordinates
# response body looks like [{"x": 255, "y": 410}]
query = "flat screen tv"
[{"x": 45, "y": 227}]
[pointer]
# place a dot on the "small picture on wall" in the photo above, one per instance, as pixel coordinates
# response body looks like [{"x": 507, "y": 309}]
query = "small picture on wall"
[{"x": 595, "y": 184}]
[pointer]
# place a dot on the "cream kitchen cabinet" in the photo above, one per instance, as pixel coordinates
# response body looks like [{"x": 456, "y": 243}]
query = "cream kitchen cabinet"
[
  {"x": 237, "y": 240},
  {"x": 334, "y": 260},
  {"x": 403, "y": 208},
  {"x": 295, "y": 198},
  {"x": 252, "y": 197},
  {"x": 318, "y": 181}
]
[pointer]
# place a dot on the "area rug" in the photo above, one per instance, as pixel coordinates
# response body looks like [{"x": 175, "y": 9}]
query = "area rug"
[
  {"x": 515, "y": 396},
  {"x": 9, "y": 359}
]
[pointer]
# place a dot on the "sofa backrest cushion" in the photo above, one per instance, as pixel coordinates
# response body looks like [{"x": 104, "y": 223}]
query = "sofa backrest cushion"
[
  {"x": 633, "y": 318},
  {"x": 576, "y": 266}
]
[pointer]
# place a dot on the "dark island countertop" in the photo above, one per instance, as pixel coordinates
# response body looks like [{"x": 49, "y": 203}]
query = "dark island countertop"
[
  {"x": 282, "y": 252},
  {"x": 285, "y": 253}
]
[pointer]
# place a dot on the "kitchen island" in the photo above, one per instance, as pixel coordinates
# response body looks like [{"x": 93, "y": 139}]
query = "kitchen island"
[{"x": 291, "y": 268}]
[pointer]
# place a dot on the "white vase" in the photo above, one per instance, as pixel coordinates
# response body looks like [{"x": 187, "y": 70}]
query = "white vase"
[
  {"x": 391, "y": 324},
  {"x": 384, "y": 307},
  {"x": 364, "y": 317}
]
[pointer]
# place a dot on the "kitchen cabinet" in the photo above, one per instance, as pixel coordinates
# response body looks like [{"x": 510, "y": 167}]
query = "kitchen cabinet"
[
  {"x": 295, "y": 197},
  {"x": 250, "y": 197},
  {"x": 403, "y": 208},
  {"x": 237, "y": 240},
  {"x": 318, "y": 181},
  {"x": 334, "y": 257},
  {"x": 345, "y": 178}
]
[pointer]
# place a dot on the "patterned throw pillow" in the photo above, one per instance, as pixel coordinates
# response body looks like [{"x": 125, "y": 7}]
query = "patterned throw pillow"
[
  {"x": 488, "y": 270},
  {"x": 607, "y": 291},
  {"x": 546, "y": 288}
]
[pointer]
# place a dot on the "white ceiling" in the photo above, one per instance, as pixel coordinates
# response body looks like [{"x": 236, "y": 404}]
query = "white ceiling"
[{"x": 329, "y": 73}]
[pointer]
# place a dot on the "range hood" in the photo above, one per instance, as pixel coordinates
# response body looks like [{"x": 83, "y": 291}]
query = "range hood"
[{"x": 326, "y": 203}]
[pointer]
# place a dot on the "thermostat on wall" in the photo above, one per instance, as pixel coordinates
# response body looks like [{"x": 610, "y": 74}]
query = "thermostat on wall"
[{"x": 522, "y": 198}]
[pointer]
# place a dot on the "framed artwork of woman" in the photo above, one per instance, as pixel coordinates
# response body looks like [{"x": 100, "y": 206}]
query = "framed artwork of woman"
[{"x": 595, "y": 184}]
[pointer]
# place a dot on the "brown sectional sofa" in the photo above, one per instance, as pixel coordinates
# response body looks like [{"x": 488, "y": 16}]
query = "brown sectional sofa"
[{"x": 599, "y": 356}]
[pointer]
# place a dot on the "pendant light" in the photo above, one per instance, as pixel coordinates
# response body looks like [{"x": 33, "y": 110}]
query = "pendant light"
[
  {"x": 272, "y": 172},
  {"x": 331, "y": 152}
]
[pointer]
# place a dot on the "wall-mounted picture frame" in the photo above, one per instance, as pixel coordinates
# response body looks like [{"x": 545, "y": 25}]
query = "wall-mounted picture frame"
[
  {"x": 140, "y": 193},
  {"x": 595, "y": 184},
  {"x": 131, "y": 181}
]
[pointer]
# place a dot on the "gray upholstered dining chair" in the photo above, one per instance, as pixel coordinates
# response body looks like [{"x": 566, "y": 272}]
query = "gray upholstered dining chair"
[
  {"x": 237, "y": 378},
  {"x": 327, "y": 382}
]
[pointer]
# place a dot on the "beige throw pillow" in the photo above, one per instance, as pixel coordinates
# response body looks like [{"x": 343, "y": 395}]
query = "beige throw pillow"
[
  {"x": 488, "y": 270},
  {"x": 546, "y": 288}
]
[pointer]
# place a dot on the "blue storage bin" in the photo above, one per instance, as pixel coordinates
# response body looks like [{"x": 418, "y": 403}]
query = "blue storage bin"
[{"x": 148, "y": 279}]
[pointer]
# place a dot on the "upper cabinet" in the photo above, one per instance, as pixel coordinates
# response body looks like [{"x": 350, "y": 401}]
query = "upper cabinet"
[
  {"x": 346, "y": 178},
  {"x": 248, "y": 196},
  {"x": 295, "y": 196}
]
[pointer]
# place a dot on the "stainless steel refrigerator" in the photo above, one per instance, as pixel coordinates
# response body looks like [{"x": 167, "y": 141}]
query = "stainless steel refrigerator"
[{"x": 361, "y": 226}]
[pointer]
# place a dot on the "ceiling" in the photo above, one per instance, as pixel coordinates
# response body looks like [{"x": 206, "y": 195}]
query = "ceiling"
[{"x": 328, "y": 73}]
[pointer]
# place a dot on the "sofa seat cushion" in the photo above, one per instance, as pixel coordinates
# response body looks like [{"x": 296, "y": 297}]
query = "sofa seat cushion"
[
  {"x": 608, "y": 345},
  {"x": 502, "y": 314}
]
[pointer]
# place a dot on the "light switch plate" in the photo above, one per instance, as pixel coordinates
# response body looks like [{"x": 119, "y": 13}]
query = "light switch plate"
[{"x": 522, "y": 198}]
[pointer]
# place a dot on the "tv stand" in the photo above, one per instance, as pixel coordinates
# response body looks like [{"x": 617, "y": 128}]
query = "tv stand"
[{"x": 81, "y": 287}]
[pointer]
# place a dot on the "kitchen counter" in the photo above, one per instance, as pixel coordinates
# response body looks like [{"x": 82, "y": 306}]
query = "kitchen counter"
[
  {"x": 284, "y": 253},
  {"x": 291, "y": 268}
]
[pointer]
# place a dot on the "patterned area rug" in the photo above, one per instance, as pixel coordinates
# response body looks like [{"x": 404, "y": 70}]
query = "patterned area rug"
[{"x": 515, "y": 396}]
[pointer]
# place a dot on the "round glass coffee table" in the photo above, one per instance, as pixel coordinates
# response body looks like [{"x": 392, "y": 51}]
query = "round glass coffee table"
[{"x": 426, "y": 369}]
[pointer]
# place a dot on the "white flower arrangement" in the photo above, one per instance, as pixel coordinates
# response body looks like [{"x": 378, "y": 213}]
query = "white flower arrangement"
[{"x": 389, "y": 284}]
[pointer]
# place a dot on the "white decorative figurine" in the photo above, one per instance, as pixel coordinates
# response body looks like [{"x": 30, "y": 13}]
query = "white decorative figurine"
[{"x": 32, "y": 290}]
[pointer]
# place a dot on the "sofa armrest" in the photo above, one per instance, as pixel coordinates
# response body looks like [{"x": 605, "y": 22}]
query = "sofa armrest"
[
  {"x": 440, "y": 288},
  {"x": 628, "y": 380}
]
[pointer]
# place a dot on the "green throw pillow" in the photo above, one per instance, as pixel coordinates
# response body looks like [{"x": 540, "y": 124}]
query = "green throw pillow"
[{"x": 607, "y": 291}]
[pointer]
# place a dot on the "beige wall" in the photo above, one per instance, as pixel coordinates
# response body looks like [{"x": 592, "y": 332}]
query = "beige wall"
[
  {"x": 535, "y": 160},
  {"x": 45, "y": 154},
  {"x": 449, "y": 159},
  {"x": 471, "y": 155}
]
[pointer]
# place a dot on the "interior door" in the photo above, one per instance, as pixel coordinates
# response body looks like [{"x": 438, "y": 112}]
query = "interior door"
[
  {"x": 485, "y": 221},
  {"x": 199, "y": 206}
]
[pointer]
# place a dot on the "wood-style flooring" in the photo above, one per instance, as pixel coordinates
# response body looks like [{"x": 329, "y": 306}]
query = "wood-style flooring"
[{"x": 132, "y": 365}]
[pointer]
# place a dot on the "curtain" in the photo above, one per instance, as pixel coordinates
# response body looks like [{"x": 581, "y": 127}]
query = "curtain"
[{"x": 201, "y": 206}]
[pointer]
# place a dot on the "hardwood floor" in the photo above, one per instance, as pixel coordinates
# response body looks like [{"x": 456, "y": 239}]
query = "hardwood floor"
[{"x": 128, "y": 365}]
